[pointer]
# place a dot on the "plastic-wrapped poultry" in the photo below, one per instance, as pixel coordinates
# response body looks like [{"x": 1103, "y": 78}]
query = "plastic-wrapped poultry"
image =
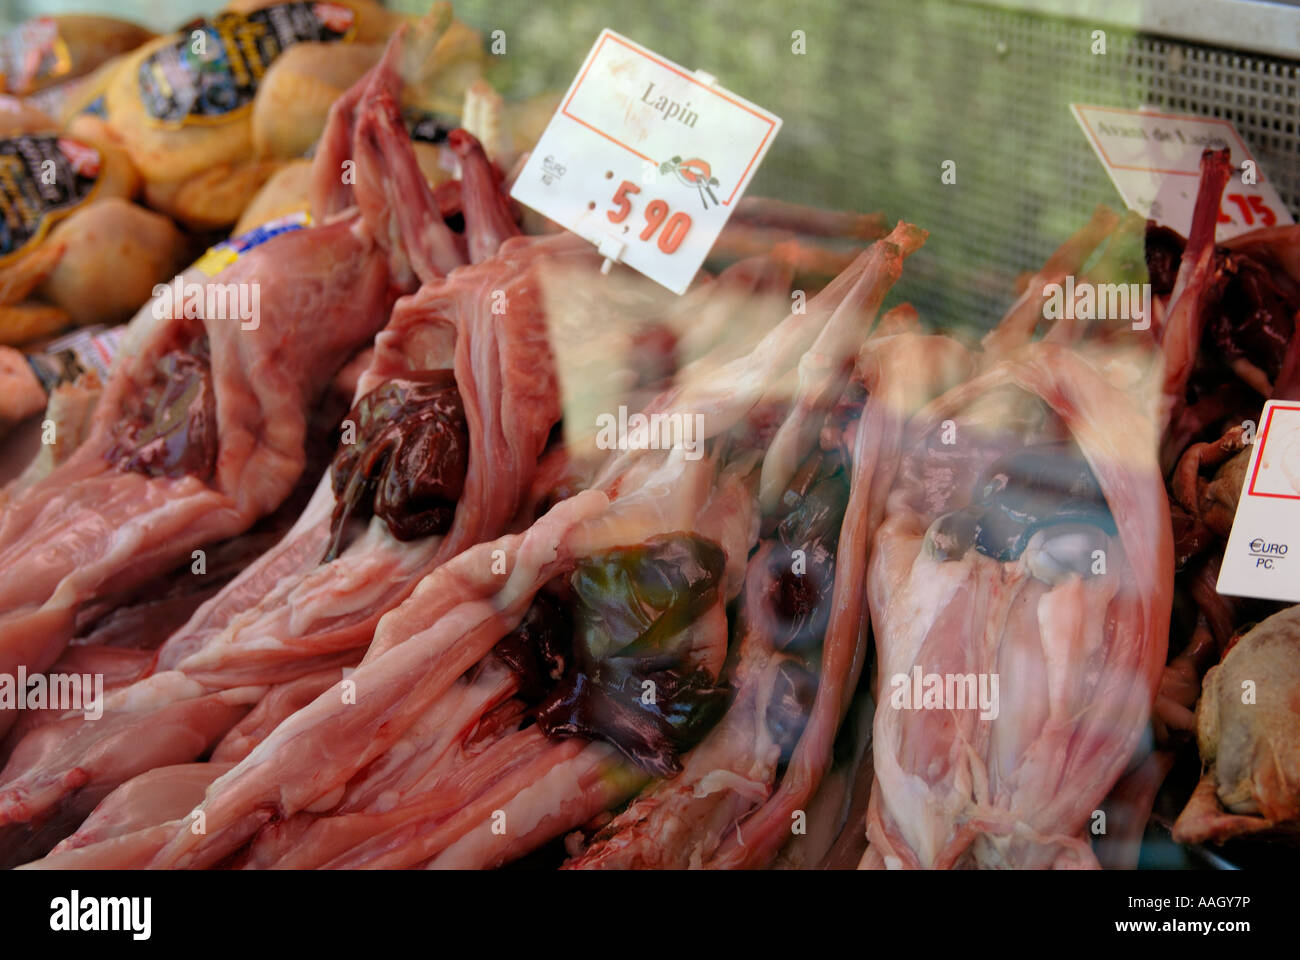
[
  {"x": 201, "y": 137},
  {"x": 298, "y": 89},
  {"x": 47, "y": 50},
  {"x": 77, "y": 249},
  {"x": 1248, "y": 732}
]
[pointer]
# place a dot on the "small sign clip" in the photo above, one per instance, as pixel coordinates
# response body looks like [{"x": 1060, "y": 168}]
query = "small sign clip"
[{"x": 611, "y": 248}]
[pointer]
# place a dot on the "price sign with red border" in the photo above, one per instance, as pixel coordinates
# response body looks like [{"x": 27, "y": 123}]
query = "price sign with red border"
[
  {"x": 1263, "y": 552},
  {"x": 1154, "y": 161},
  {"x": 646, "y": 159}
]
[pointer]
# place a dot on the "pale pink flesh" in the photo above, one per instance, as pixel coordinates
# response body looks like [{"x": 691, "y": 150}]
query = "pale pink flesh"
[
  {"x": 88, "y": 529},
  {"x": 738, "y": 822},
  {"x": 567, "y": 790},
  {"x": 160, "y": 795},
  {"x": 824, "y": 369},
  {"x": 901, "y": 373},
  {"x": 1128, "y": 808},
  {"x": 279, "y": 703},
  {"x": 321, "y": 747},
  {"x": 488, "y": 222},
  {"x": 401, "y": 207},
  {"x": 407, "y": 810},
  {"x": 441, "y": 610},
  {"x": 468, "y": 848},
  {"x": 63, "y": 769},
  {"x": 386, "y": 791},
  {"x": 1079, "y": 662},
  {"x": 322, "y": 615},
  {"x": 119, "y": 666},
  {"x": 708, "y": 317},
  {"x": 683, "y": 786}
]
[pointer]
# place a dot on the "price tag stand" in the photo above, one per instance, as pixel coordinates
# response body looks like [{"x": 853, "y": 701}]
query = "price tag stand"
[{"x": 646, "y": 160}]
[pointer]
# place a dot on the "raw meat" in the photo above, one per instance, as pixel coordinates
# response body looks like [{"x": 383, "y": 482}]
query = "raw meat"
[
  {"x": 1018, "y": 324},
  {"x": 342, "y": 807},
  {"x": 120, "y": 832},
  {"x": 572, "y": 785},
  {"x": 726, "y": 809},
  {"x": 289, "y": 616},
  {"x": 165, "y": 472},
  {"x": 985, "y": 567}
]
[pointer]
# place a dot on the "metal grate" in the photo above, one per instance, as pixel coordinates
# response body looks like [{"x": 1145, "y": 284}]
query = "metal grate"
[{"x": 994, "y": 100}]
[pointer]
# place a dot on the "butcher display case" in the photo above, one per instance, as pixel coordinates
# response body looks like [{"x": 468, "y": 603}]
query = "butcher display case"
[{"x": 660, "y": 435}]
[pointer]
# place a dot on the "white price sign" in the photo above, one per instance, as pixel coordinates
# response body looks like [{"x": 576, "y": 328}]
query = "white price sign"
[
  {"x": 1262, "y": 558},
  {"x": 646, "y": 160},
  {"x": 1154, "y": 160}
]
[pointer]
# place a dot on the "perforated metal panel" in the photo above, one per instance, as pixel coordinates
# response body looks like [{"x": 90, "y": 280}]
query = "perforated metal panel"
[{"x": 992, "y": 94}]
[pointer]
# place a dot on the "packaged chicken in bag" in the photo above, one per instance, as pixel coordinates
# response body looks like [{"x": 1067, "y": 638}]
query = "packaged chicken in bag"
[
  {"x": 45, "y": 51},
  {"x": 73, "y": 247},
  {"x": 208, "y": 113},
  {"x": 71, "y": 367}
]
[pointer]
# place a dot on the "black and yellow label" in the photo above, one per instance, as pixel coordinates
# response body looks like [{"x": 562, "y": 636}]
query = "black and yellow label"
[
  {"x": 211, "y": 70},
  {"x": 42, "y": 178}
]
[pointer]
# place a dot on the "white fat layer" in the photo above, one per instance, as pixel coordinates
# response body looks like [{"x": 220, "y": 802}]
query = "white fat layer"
[
  {"x": 721, "y": 781},
  {"x": 153, "y": 692}
]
